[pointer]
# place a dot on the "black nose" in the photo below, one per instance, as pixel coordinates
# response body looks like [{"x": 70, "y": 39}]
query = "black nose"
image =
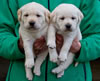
[
  {"x": 68, "y": 26},
  {"x": 31, "y": 23}
]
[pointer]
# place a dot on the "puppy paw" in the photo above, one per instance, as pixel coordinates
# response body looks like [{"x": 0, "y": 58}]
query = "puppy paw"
[
  {"x": 51, "y": 44},
  {"x": 62, "y": 57},
  {"x": 59, "y": 75},
  {"x": 29, "y": 63},
  {"x": 37, "y": 72},
  {"x": 56, "y": 70},
  {"x": 54, "y": 58},
  {"x": 29, "y": 76}
]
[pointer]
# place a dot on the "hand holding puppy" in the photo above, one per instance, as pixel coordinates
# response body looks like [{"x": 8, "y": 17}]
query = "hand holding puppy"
[
  {"x": 75, "y": 47},
  {"x": 39, "y": 45}
]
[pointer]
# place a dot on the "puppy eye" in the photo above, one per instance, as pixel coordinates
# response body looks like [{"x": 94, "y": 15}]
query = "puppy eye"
[
  {"x": 26, "y": 15},
  {"x": 73, "y": 18},
  {"x": 62, "y": 18},
  {"x": 38, "y": 15}
]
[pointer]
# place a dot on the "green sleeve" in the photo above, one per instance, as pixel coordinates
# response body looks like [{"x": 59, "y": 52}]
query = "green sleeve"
[
  {"x": 90, "y": 27},
  {"x": 8, "y": 38},
  {"x": 90, "y": 49}
]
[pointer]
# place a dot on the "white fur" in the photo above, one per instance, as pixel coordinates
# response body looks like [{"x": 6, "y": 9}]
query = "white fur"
[
  {"x": 35, "y": 13},
  {"x": 64, "y": 14}
]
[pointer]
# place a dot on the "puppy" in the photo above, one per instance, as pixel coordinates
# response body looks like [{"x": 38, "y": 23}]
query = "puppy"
[
  {"x": 34, "y": 19},
  {"x": 65, "y": 20}
]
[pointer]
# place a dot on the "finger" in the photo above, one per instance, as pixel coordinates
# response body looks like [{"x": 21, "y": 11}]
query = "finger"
[
  {"x": 59, "y": 37},
  {"x": 75, "y": 47},
  {"x": 39, "y": 42},
  {"x": 42, "y": 47},
  {"x": 20, "y": 43}
]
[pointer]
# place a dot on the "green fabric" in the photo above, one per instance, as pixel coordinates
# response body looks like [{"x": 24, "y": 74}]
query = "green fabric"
[{"x": 90, "y": 50}]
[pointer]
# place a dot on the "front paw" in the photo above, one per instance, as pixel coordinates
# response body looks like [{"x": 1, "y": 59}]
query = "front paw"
[
  {"x": 56, "y": 70},
  {"x": 51, "y": 44},
  {"x": 62, "y": 57},
  {"x": 29, "y": 63},
  {"x": 53, "y": 55},
  {"x": 29, "y": 77},
  {"x": 59, "y": 75}
]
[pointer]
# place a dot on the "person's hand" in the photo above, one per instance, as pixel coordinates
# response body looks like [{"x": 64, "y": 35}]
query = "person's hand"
[
  {"x": 76, "y": 46},
  {"x": 20, "y": 45},
  {"x": 59, "y": 42},
  {"x": 40, "y": 45}
]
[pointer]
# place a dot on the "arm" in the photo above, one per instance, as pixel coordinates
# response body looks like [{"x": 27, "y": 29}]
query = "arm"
[
  {"x": 90, "y": 28},
  {"x": 8, "y": 38},
  {"x": 90, "y": 48}
]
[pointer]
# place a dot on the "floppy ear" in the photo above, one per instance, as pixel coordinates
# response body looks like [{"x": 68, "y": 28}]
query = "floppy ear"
[
  {"x": 47, "y": 16},
  {"x": 19, "y": 13},
  {"x": 80, "y": 16},
  {"x": 53, "y": 17}
]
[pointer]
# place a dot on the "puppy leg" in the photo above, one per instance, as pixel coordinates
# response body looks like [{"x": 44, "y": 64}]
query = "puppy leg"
[
  {"x": 29, "y": 54},
  {"x": 53, "y": 55},
  {"x": 79, "y": 37},
  {"x": 68, "y": 39},
  {"x": 39, "y": 60},
  {"x": 29, "y": 58},
  {"x": 51, "y": 43},
  {"x": 59, "y": 75},
  {"x": 64, "y": 65},
  {"x": 29, "y": 74},
  {"x": 51, "y": 38}
]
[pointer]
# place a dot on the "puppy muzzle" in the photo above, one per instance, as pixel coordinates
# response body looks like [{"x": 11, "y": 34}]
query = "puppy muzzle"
[
  {"x": 32, "y": 25},
  {"x": 68, "y": 27}
]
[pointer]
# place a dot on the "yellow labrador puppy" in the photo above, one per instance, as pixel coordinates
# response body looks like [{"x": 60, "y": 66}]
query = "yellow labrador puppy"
[
  {"x": 34, "y": 19},
  {"x": 65, "y": 20}
]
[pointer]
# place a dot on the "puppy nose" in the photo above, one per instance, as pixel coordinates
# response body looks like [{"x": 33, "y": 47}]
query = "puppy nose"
[
  {"x": 68, "y": 26},
  {"x": 32, "y": 23}
]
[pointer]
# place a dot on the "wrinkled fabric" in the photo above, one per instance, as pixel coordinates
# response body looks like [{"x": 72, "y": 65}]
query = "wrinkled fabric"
[{"x": 90, "y": 50}]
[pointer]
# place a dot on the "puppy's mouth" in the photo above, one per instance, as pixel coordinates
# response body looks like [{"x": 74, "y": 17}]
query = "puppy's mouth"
[
  {"x": 66, "y": 30},
  {"x": 32, "y": 25},
  {"x": 68, "y": 27},
  {"x": 33, "y": 28}
]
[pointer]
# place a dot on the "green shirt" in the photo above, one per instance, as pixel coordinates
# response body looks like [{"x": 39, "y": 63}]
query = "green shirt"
[{"x": 90, "y": 50}]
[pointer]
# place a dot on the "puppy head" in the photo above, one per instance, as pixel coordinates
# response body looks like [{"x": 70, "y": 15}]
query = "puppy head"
[
  {"x": 67, "y": 17},
  {"x": 33, "y": 16}
]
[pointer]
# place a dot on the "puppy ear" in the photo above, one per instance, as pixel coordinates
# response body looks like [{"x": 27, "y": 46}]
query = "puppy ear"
[
  {"x": 19, "y": 13},
  {"x": 53, "y": 17},
  {"x": 47, "y": 16},
  {"x": 80, "y": 16}
]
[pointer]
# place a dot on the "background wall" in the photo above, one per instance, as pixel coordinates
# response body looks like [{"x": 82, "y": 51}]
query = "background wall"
[
  {"x": 95, "y": 65},
  {"x": 3, "y": 68}
]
